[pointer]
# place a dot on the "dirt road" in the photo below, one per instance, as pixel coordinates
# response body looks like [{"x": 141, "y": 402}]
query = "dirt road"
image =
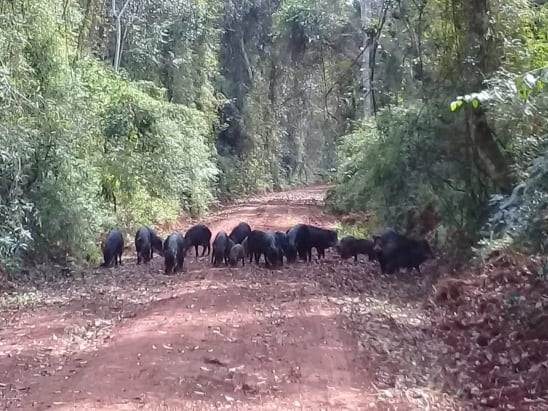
[{"x": 223, "y": 338}]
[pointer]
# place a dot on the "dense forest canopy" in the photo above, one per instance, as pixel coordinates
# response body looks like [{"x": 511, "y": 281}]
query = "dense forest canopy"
[{"x": 429, "y": 115}]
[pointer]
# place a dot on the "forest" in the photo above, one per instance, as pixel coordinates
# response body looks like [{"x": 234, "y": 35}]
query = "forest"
[
  {"x": 429, "y": 116},
  {"x": 332, "y": 118}
]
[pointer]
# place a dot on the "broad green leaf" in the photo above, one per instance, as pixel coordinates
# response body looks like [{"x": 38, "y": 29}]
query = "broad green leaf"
[{"x": 455, "y": 105}]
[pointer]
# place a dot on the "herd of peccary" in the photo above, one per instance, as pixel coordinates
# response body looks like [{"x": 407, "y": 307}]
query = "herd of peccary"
[{"x": 391, "y": 249}]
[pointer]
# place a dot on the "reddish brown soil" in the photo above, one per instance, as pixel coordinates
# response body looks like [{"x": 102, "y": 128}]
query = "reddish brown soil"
[{"x": 329, "y": 335}]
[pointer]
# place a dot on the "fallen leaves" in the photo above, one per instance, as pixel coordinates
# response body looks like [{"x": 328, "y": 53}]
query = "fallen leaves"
[
  {"x": 496, "y": 351},
  {"x": 471, "y": 340},
  {"x": 479, "y": 341}
]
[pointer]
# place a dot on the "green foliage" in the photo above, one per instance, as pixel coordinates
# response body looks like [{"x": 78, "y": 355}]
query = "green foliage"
[
  {"x": 417, "y": 153},
  {"x": 522, "y": 214},
  {"x": 474, "y": 99},
  {"x": 360, "y": 230},
  {"x": 278, "y": 61},
  {"x": 242, "y": 176},
  {"x": 306, "y": 20},
  {"x": 530, "y": 82},
  {"x": 533, "y": 81},
  {"x": 166, "y": 145},
  {"x": 354, "y": 171},
  {"x": 535, "y": 27},
  {"x": 176, "y": 43},
  {"x": 15, "y": 211},
  {"x": 400, "y": 165},
  {"x": 518, "y": 218},
  {"x": 84, "y": 150}
]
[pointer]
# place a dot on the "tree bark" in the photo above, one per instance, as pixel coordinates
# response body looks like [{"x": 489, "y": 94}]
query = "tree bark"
[
  {"x": 85, "y": 29},
  {"x": 479, "y": 62},
  {"x": 367, "y": 11},
  {"x": 118, "y": 17}
]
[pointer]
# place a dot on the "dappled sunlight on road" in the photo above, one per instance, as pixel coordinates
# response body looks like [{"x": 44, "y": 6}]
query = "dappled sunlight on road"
[{"x": 327, "y": 335}]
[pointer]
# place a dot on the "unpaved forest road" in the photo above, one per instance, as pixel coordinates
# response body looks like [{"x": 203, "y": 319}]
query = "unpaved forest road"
[{"x": 224, "y": 338}]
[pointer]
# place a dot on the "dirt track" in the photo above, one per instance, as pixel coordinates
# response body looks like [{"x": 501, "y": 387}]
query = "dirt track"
[{"x": 224, "y": 338}]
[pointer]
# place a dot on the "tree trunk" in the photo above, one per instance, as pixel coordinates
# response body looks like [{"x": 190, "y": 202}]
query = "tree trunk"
[
  {"x": 478, "y": 63},
  {"x": 118, "y": 43},
  {"x": 118, "y": 17},
  {"x": 246, "y": 59},
  {"x": 85, "y": 29},
  {"x": 368, "y": 8}
]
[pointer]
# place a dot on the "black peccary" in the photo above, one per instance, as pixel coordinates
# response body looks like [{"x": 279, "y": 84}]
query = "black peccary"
[
  {"x": 288, "y": 249},
  {"x": 113, "y": 248},
  {"x": 220, "y": 246},
  {"x": 143, "y": 245},
  {"x": 395, "y": 251},
  {"x": 198, "y": 235},
  {"x": 174, "y": 253},
  {"x": 240, "y": 232},
  {"x": 351, "y": 246},
  {"x": 299, "y": 238}
]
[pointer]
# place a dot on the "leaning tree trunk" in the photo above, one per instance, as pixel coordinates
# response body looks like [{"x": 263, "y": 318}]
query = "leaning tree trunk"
[{"x": 480, "y": 61}]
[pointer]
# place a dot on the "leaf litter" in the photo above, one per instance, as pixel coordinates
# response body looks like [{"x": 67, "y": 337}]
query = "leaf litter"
[{"x": 472, "y": 342}]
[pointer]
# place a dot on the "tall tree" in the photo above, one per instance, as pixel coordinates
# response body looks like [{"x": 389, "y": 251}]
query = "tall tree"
[
  {"x": 368, "y": 8},
  {"x": 480, "y": 61},
  {"x": 119, "y": 38}
]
